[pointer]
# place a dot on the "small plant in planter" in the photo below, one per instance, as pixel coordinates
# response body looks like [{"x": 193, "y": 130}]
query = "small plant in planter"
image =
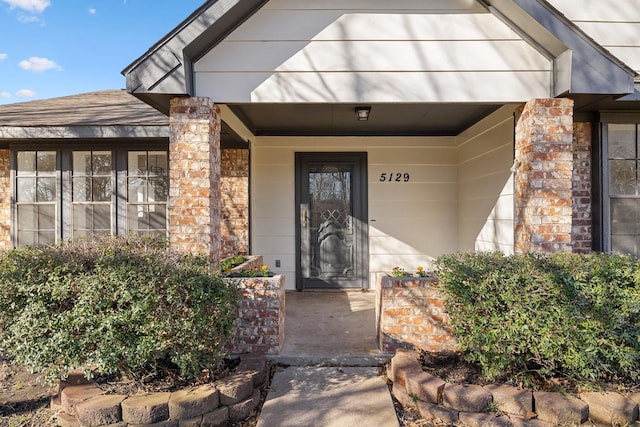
[
  {"x": 264, "y": 271},
  {"x": 398, "y": 272},
  {"x": 420, "y": 272},
  {"x": 227, "y": 264}
]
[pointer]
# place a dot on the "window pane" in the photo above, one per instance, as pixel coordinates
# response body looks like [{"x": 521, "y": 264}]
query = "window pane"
[
  {"x": 624, "y": 216},
  {"x": 26, "y": 163},
  {"x": 27, "y": 238},
  {"x": 46, "y": 238},
  {"x": 158, "y": 191},
  {"x": 82, "y": 218},
  {"x": 91, "y": 218},
  {"x": 82, "y": 189},
  {"x": 101, "y": 217},
  {"x": 81, "y": 163},
  {"x": 157, "y": 218},
  {"x": 46, "y": 162},
  {"x": 101, "y": 163},
  {"x": 27, "y": 217},
  {"x": 26, "y": 189},
  {"x": 624, "y": 244},
  {"x": 46, "y": 189},
  {"x": 137, "y": 163},
  {"x": 47, "y": 217},
  {"x": 101, "y": 189},
  {"x": 138, "y": 217},
  {"x": 622, "y": 177},
  {"x": 158, "y": 163},
  {"x": 622, "y": 141},
  {"x": 137, "y": 190}
]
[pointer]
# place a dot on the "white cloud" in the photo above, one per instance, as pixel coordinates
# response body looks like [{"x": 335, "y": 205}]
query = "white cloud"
[
  {"x": 35, "y": 6},
  {"x": 92, "y": 11},
  {"x": 38, "y": 65},
  {"x": 28, "y": 19},
  {"x": 5, "y": 95},
  {"x": 3, "y": 56},
  {"x": 25, "y": 93}
]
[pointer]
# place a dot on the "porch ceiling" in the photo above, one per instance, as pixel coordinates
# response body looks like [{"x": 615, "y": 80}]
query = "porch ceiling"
[{"x": 340, "y": 119}]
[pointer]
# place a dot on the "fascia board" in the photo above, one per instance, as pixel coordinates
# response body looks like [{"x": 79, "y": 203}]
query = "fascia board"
[{"x": 83, "y": 132}]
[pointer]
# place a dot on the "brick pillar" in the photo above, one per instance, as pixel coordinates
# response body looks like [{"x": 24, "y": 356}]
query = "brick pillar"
[
  {"x": 5, "y": 200},
  {"x": 582, "y": 228},
  {"x": 543, "y": 179},
  {"x": 194, "y": 177},
  {"x": 235, "y": 202}
]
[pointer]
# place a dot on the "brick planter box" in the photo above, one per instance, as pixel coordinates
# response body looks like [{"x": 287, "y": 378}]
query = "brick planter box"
[
  {"x": 260, "y": 322},
  {"x": 259, "y": 325},
  {"x": 410, "y": 314}
]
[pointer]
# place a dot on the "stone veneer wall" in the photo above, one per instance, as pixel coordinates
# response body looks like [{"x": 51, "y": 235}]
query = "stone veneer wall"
[
  {"x": 234, "y": 171},
  {"x": 5, "y": 200},
  {"x": 194, "y": 177},
  {"x": 410, "y": 313},
  {"x": 582, "y": 227},
  {"x": 544, "y": 176}
]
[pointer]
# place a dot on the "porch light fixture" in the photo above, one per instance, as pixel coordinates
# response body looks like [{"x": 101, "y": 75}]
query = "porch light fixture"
[{"x": 362, "y": 113}]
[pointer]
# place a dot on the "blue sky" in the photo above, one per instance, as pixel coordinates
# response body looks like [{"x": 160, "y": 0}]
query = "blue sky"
[{"x": 51, "y": 48}]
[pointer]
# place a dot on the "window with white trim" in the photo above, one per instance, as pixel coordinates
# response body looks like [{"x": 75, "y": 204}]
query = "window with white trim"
[{"x": 68, "y": 193}]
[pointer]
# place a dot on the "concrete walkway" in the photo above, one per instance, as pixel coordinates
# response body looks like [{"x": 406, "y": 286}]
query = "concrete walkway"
[
  {"x": 330, "y": 328},
  {"x": 337, "y": 331},
  {"x": 328, "y": 397}
]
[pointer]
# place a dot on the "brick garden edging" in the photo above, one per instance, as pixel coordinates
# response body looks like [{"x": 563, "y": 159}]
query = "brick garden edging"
[
  {"x": 468, "y": 404},
  {"x": 410, "y": 314},
  {"x": 234, "y": 397}
]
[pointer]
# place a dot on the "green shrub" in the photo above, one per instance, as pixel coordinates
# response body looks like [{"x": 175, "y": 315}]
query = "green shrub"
[
  {"x": 121, "y": 304},
  {"x": 542, "y": 316}
]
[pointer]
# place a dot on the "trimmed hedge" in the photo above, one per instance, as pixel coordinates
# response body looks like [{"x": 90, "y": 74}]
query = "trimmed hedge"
[
  {"x": 113, "y": 304},
  {"x": 537, "y": 316}
]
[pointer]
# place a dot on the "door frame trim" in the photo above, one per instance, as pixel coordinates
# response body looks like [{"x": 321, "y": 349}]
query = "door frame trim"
[{"x": 360, "y": 161}]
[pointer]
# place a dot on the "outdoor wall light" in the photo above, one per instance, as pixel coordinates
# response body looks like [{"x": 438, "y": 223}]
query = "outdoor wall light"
[{"x": 362, "y": 113}]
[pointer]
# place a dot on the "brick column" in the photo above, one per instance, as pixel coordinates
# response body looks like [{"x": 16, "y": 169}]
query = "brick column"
[
  {"x": 5, "y": 200},
  {"x": 582, "y": 228},
  {"x": 544, "y": 174},
  {"x": 235, "y": 202},
  {"x": 194, "y": 177}
]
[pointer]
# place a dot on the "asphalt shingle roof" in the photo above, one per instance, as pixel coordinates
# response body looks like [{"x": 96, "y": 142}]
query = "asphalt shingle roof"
[{"x": 102, "y": 108}]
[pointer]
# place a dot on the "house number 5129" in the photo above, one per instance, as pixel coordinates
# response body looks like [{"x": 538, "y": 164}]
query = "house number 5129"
[{"x": 395, "y": 177}]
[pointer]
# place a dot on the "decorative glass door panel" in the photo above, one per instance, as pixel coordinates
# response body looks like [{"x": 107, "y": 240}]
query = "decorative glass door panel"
[{"x": 331, "y": 221}]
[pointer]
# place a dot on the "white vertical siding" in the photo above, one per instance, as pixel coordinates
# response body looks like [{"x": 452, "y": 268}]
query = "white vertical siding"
[
  {"x": 410, "y": 223},
  {"x": 614, "y": 24},
  {"x": 485, "y": 184},
  {"x": 373, "y": 51}
]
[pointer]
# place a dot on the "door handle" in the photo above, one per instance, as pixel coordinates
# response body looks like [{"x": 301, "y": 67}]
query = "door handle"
[{"x": 304, "y": 218}]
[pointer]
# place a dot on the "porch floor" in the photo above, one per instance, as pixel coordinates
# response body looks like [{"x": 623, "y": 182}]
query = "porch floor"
[{"x": 330, "y": 328}]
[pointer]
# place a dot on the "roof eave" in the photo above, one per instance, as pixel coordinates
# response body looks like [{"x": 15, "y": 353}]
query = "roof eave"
[
  {"x": 165, "y": 69},
  {"x": 581, "y": 66}
]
